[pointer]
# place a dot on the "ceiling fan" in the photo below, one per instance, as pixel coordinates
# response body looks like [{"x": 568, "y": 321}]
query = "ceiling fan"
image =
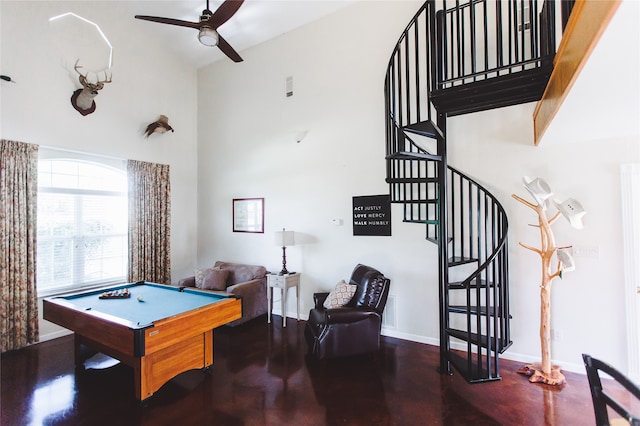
[{"x": 208, "y": 26}]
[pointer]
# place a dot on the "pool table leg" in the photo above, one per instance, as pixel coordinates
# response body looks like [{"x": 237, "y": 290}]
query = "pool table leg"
[
  {"x": 139, "y": 383},
  {"x": 77, "y": 353}
]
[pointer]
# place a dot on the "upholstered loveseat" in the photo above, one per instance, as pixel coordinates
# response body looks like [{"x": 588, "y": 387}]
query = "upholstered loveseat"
[{"x": 247, "y": 281}]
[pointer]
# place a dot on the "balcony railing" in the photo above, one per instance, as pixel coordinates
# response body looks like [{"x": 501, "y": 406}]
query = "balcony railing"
[{"x": 483, "y": 39}]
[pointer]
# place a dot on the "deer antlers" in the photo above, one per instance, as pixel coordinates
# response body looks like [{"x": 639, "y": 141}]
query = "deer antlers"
[{"x": 82, "y": 99}]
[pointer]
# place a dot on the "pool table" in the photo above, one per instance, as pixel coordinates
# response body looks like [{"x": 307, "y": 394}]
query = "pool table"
[{"x": 160, "y": 330}]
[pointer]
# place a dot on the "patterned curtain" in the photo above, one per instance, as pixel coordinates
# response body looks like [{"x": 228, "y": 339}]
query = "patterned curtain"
[
  {"x": 18, "y": 213},
  {"x": 149, "y": 222}
]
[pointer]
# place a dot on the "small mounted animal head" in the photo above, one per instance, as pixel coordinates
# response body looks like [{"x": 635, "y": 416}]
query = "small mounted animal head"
[
  {"x": 82, "y": 99},
  {"x": 161, "y": 125}
]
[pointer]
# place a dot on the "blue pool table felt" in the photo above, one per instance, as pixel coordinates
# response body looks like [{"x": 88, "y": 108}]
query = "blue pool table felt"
[{"x": 158, "y": 302}]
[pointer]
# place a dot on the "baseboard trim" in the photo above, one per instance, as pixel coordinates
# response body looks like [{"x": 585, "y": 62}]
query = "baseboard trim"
[
  {"x": 511, "y": 356},
  {"x": 54, "y": 335}
]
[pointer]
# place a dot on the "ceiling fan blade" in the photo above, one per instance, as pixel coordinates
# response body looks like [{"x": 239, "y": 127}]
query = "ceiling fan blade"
[
  {"x": 228, "y": 50},
  {"x": 224, "y": 12},
  {"x": 169, "y": 21}
]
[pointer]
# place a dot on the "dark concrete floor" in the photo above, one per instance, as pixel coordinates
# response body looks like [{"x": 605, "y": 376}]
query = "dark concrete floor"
[{"x": 262, "y": 376}]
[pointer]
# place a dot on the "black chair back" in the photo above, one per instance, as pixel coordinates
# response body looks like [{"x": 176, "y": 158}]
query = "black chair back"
[
  {"x": 603, "y": 399},
  {"x": 373, "y": 288}
]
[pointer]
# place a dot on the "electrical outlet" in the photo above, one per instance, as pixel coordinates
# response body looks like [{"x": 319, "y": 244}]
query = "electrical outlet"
[{"x": 556, "y": 334}]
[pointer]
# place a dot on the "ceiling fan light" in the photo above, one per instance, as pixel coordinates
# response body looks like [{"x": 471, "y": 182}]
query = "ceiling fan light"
[{"x": 208, "y": 36}]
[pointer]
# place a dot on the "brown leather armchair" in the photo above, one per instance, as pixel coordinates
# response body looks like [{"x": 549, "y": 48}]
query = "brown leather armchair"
[{"x": 355, "y": 328}]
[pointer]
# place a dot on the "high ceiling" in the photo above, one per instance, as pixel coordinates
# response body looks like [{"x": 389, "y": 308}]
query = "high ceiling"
[
  {"x": 260, "y": 20},
  {"x": 255, "y": 22}
]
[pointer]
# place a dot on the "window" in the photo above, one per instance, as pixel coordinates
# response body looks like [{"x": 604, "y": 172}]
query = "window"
[{"x": 82, "y": 224}]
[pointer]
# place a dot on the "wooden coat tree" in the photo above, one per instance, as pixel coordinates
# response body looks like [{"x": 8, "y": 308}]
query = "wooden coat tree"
[{"x": 545, "y": 372}]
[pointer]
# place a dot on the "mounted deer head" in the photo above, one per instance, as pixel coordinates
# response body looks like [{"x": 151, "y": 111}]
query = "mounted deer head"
[{"x": 82, "y": 99}]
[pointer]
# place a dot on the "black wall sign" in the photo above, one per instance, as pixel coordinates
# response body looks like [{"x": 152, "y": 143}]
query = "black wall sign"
[{"x": 372, "y": 215}]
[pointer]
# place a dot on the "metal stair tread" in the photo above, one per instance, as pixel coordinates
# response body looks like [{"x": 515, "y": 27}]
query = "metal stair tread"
[
  {"x": 478, "y": 340},
  {"x": 427, "y": 221},
  {"x": 478, "y": 376},
  {"x": 474, "y": 283},
  {"x": 407, "y": 155},
  {"x": 458, "y": 260},
  {"x": 412, "y": 180},
  {"x": 483, "y": 311},
  {"x": 421, "y": 201},
  {"x": 425, "y": 128}
]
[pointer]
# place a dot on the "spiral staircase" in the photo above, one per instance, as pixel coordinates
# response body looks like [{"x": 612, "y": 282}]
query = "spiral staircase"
[{"x": 458, "y": 57}]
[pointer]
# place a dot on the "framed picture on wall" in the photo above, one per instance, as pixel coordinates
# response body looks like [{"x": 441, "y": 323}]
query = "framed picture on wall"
[
  {"x": 372, "y": 215},
  {"x": 248, "y": 215}
]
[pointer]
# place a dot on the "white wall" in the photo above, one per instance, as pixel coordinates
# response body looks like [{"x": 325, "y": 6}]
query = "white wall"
[
  {"x": 247, "y": 149},
  {"x": 145, "y": 84}
]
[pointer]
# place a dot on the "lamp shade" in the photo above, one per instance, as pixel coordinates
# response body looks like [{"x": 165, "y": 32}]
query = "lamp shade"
[{"x": 284, "y": 238}]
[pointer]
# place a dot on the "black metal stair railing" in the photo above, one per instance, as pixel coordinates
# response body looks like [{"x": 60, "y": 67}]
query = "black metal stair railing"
[
  {"x": 478, "y": 299},
  {"x": 492, "y": 54},
  {"x": 407, "y": 83},
  {"x": 411, "y": 165},
  {"x": 483, "y": 39},
  {"x": 457, "y": 57}
]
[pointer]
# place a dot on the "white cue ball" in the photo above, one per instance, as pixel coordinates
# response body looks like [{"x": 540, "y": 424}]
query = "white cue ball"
[{"x": 140, "y": 298}]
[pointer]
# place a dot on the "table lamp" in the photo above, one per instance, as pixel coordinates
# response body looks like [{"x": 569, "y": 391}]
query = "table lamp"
[{"x": 284, "y": 239}]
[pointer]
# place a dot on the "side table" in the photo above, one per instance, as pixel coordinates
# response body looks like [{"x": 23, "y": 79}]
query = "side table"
[{"x": 283, "y": 282}]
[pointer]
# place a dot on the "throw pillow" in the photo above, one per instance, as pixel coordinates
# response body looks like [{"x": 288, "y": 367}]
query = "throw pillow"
[
  {"x": 340, "y": 295},
  {"x": 215, "y": 279},
  {"x": 199, "y": 275}
]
